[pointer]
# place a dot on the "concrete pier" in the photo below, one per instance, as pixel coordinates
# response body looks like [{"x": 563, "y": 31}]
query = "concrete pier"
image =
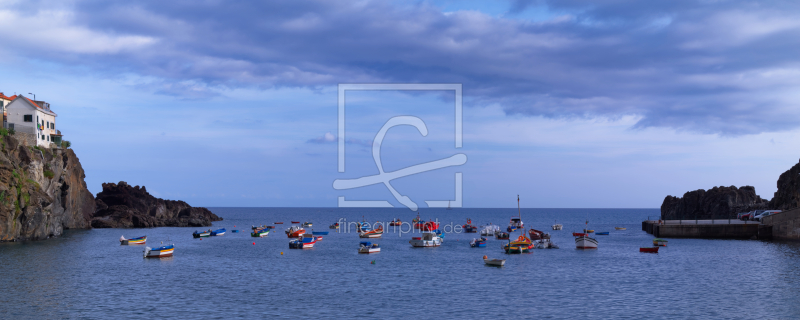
[{"x": 703, "y": 229}]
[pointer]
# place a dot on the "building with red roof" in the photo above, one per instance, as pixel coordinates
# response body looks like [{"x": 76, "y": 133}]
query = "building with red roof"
[{"x": 33, "y": 121}]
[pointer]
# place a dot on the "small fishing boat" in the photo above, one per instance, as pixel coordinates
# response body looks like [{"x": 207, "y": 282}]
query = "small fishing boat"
[
  {"x": 515, "y": 223},
  {"x": 649, "y": 249},
  {"x": 295, "y": 232},
  {"x": 660, "y": 242},
  {"x": 588, "y": 231},
  {"x": 521, "y": 245},
  {"x": 494, "y": 262},
  {"x": 319, "y": 233},
  {"x": 278, "y": 222},
  {"x": 579, "y": 234},
  {"x": 430, "y": 226},
  {"x": 369, "y": 247},
  {"x": 478, "y": 243},
  {"x": 538, "y": 235},
  {"x": 601, "y": 233},
  {"x": 584, "y": 242},
  {"x": 160, "y": 252},
  {"x": 304, "y": 242},
  {"x": 203, "y": 234},
  {"x": 139, "y": 240},
  {"x": 218, "y": 232},
  {"x": 334, "y": 226},
  {"x": 417, "y": 222},
  {"x": 270, "y": 227},
  {"x": 295, "y": 221},
  {"x": 235, "y": 231},
  {"x": 308, "y": 224},
  {"x": 428, "y": 239},
  {"x": 490, "y": 230},
  {"x": 620, "y": 228},
  {"x": 545, "y": 244},
  {"x": 395, "y": 223},
  {"x": 469, "y": 228},
  {"x": 501, "y": 235},
  {"x": 260, "y": 233},
  {"x": 558, "y": 226},
  {"x": 377, "y": 233}
]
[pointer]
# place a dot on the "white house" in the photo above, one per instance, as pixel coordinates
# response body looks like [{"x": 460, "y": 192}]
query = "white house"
[
  {"x": 34, "y": 120},
  {"x": 4, "y": 101}
]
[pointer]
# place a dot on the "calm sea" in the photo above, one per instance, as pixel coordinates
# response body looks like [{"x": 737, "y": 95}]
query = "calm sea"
[{"x": 87, "y": 274}]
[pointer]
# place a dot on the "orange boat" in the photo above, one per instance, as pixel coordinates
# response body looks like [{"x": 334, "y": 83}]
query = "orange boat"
[{"x": 295, "y": 232}]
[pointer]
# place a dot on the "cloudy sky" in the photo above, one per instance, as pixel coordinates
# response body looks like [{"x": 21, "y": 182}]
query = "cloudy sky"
[{"x": 568, "y": 103}]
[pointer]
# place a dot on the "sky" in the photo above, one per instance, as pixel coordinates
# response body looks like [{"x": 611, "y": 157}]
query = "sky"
[{"x": 569, "y": 104}]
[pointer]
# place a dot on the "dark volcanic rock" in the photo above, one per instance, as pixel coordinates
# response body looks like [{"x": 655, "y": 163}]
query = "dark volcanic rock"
[
  {"x": 122, "y": 206},
  {"x": 42, "y": 192},
  {"x": 788, "y": 194},
  {"x": 716, "y": 203}
]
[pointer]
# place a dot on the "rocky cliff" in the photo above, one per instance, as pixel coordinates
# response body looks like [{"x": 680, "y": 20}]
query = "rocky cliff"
[
  {"x": 788, "y": 194},
  {"x": 122, "y": 206},
  {"x": 717, "y": 203},
  {"x": 42, "y": 192}
]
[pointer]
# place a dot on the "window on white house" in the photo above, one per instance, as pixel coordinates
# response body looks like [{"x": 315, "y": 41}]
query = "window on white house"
[{"x": 27, "y": 118}]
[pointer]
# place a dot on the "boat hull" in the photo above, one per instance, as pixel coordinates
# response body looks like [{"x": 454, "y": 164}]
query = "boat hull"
[
  {"x": 159, "y": 252},
  {"x": 585, "y": 243},
  {"x": 369, "y": 250},
  {"x": 419, "y": 243},
  {"x": 649, "y": 249},
  {"x": 620, "y": 228},
  {"x": 134, "y": 241},
  {"x": 495, "y": 262},
  {"x": 259, "y": 234}
]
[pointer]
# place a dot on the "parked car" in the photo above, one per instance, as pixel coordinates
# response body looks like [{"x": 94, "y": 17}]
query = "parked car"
[
  {"x": 747, "y": 215},
  {"x": 741, "y": 214},
  {"x": 765, "y": 213}
]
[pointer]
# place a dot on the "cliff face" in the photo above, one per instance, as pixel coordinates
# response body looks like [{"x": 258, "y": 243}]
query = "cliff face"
[
  {"x": 41, "y": 192},
  {"x": 122, "y": 206},
  {"x": 717, "y": 203},
  {"x": 788, "y": 194}
]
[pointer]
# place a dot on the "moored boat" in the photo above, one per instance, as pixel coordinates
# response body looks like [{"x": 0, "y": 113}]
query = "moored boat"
[
  {"x": 307, "y": 224},
  {"x": 660, "y": 242},
  {"x": 494, "y": 262},
  {"x": 584, "y": 242},
  {"x": 295, "y": 221},
  {"x": 523, "y": 244},
  {"x": 605, "y": 233},
  {"x": 334, "y": 226},
  {"x": 430, "y": 226},
  {"x": 377, "y": 233},
  {"x": 395, "y": 223},
  {"x": 260, "y": 233},
  {"x": 235, "y": 231},
  {"x": 490, "y": 230},
  {"x": 502, "y": 235},
  {"x": 579, "y": 234},
  {"x": 545, "y": 244},
  {"x": 369, "y": 247},
  {"x": 588, "y": 231},
  {"x": 295, "y": 232},
  {"x": 538, "y": 235},
  {"x": 160, "y": 252},
  {"x": 620, "y": 228},
  {"x": 202, "y": 234},
  {"x": 515, "y": 223},
  {"x": 478, "y": 243},
  {"x": 304, "y": 242},
  {"x": 469, "y": 228},
  {"x": 427, "y": 239},
  {"x": 139, "y": 240},
  {"x": 558, "y": 226},
  {"x": 218, "y": 232},
  {"x": 319, "y": 233},
  {"x": 278, "y": 222},
  {"x": 649, "y": 249}
]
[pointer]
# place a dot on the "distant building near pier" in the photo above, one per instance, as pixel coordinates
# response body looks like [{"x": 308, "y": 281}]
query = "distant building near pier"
[{"x": 33, "y": 122}]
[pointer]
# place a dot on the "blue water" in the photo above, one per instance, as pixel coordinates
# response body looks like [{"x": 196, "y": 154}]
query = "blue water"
[{"x": 87, "y": 274}]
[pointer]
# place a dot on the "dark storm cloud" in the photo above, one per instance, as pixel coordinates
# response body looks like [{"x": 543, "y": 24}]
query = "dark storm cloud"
[{"x": 726, "y": 67}]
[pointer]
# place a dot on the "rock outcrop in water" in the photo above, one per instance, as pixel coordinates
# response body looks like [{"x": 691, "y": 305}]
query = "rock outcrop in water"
[
  {"x": 716, "y": 203},
  {"x": 788, "y": 194},
  {"x": 42, "y": 192},
  {"x": 122, "y": 206}
]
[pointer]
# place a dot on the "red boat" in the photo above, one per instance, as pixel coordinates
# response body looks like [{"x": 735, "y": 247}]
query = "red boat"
[
  {"x": 430, "y": 226},
  {"x": 278, "y": 222},
  {"x": 396, "y": 223},
  {"x": 649, "y": 249},
  {"x": 578, "y": 234},
  {"x": 538, "y": 235},
  {"x": 295, "y": 221}
]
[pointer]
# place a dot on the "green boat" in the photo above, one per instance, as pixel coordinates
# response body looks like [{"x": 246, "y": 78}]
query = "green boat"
[{"x": 260, "y": 233}]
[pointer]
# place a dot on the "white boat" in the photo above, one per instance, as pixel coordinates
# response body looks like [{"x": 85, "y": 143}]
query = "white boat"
[
  {"x": 584, "y": 242},
  {"x": 428, "y": 239},
  {"x": 490, "y": 230},
  {"x": 558, "y": 226},
  {"x": 160, "y": 252},
  {"x": 368, "y": 247},
  {"x": 545, "y": 244},
  {"x": 494, "y": 262}
]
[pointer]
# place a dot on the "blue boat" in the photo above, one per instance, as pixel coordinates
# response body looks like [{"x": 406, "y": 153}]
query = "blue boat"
[
  {"x": 319, "y": 233},
  {"x": 601, "y": 233},
  {"x": 440, "y": 234},
  {"x": 478, "y": 243},
  {"x": 235, "y": 231},
  {"x": 218, "y": 232}
]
